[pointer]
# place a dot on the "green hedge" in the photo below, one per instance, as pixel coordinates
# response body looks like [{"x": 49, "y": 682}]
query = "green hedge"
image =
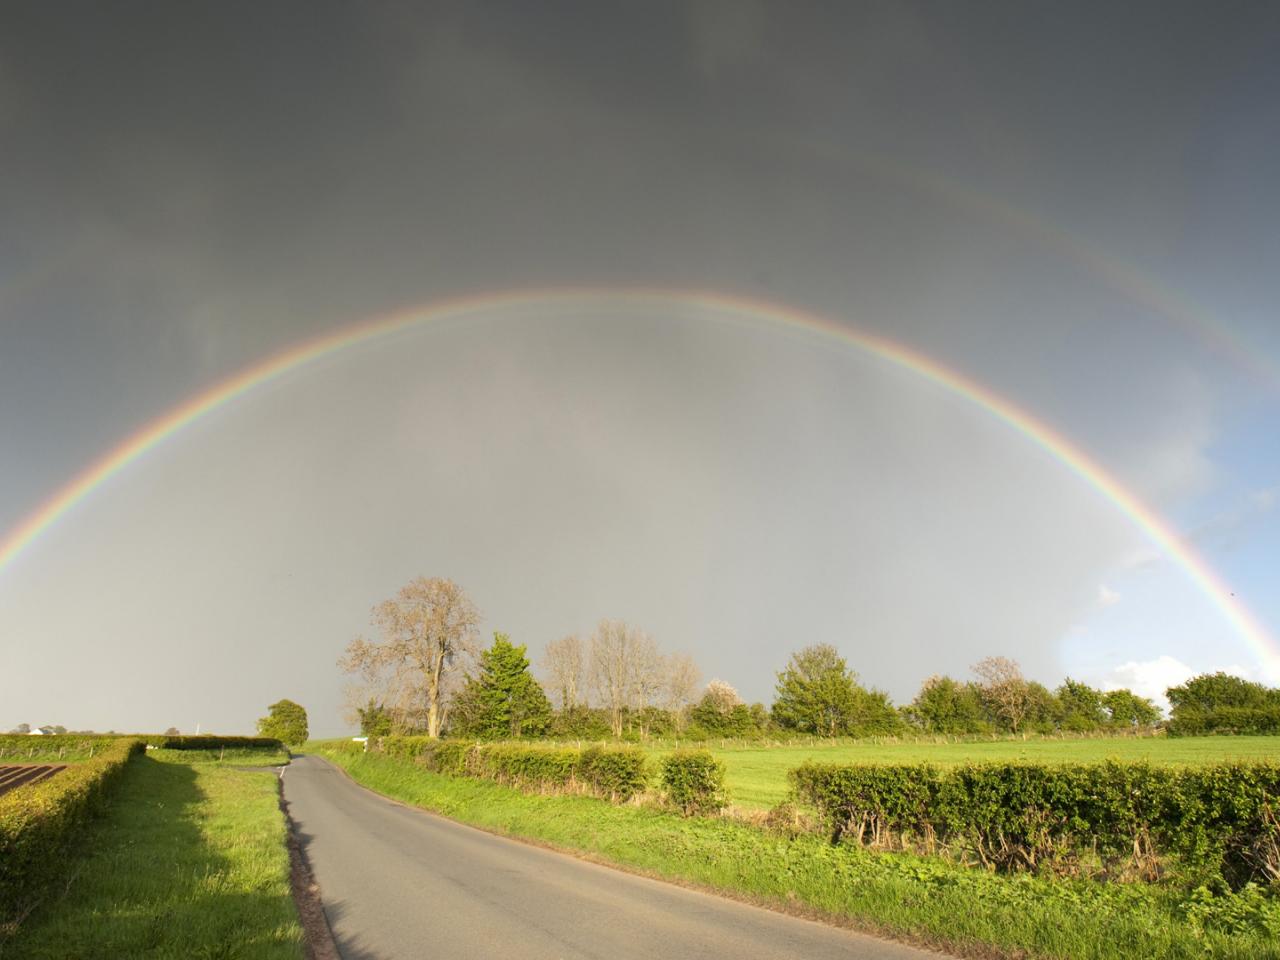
[
  {"x": 39, "y": 826},
  {"x": 1123, "y": 819},
  {"x": 211, "y": 742},
  {"x": 1245, "y": 721},
  {"x": 693, "y": 781},
  {"x": 615, "y": 773}
]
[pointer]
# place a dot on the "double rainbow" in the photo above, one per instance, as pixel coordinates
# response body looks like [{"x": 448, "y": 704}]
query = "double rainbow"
[{"x": 1036, "y": 431}]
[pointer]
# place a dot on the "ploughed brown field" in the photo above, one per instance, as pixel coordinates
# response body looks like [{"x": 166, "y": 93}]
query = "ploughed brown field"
[{"x": 19, "y": 775}]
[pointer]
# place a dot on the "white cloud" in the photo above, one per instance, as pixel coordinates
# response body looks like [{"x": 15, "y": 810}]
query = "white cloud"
[
  {"x": 1150, "y": 678},
  {"x": 1106, "y": 596}
]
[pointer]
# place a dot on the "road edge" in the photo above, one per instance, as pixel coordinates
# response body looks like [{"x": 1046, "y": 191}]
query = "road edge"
[{"x": 318, "y": 943}]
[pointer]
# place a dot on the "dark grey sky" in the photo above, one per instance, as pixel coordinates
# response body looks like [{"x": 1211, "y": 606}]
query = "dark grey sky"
[{"x": 189, "y": 188}]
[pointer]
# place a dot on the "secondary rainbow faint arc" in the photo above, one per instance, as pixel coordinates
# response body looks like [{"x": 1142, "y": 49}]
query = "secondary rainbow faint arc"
[{"x": 1040, "y": 433}]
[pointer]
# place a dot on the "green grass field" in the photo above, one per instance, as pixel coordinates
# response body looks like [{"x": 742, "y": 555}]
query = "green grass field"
[
  {"x": 927, "y": 900},
  {"x": 757, "y": 775},
  {"x": 189, "y": 862}
]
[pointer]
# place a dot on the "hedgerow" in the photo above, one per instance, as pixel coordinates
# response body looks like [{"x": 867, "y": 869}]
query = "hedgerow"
[
  {"x": 1209, "y": 824},
  {"x": 693, "y": 782},
  {"x": 39, "y": 825},
  {"x": 615, "y": 773},
  {"x": 211, "y": 742},
  {"x": 1241, "y": 721}
]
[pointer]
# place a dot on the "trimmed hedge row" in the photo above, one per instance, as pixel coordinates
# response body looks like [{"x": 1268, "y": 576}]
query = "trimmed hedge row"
[
  {"x": 211, "y": 742},
  {"x": 39, "y": 825},
  {"x": 1220, "y": 821},
  {"x": 615, "y": 773}
]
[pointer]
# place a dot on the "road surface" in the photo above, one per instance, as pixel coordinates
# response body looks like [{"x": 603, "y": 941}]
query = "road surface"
[{"x": 401, "y": 883}]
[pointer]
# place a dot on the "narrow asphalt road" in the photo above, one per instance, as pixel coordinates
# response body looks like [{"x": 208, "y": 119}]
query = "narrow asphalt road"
[{"x": 401, "y": 883}]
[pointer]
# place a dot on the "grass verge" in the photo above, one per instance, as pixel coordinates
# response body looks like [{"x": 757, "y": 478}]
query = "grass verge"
[
  {"x": 924, "y": 900},
  {"x": 188, "y": 862}
]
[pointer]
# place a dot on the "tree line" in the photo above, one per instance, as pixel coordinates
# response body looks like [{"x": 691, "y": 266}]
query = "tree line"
[{"x": 428, "y": 673}]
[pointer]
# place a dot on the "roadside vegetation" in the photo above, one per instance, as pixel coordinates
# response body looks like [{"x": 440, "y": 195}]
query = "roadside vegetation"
[
  {"x": 189, "y": 860},
  {"x": 152, "y": 845},
  {"x": 783, "y": 862}
]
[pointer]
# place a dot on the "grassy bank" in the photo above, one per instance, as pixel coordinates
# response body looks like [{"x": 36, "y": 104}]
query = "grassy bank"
[
  {"x": 756, "y": 775},
  {"x": 923, "y": 899},
  {"x": 189, "y": 861}
]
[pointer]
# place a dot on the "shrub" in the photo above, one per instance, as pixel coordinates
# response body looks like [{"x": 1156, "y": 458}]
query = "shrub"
[
  {"x": 1212, "y": 823},
  {"x": 618, "y": 773},
  {"x": 39, "y": 826},
  {"x": 693, "y": 781}
]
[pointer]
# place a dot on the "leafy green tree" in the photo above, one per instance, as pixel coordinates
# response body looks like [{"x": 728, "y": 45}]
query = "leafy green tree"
[
  {"x": 375, "y": 720},
  {"x": 1079, "y": 706},
  {"x": 286, "y": 721},
  {"x": 818, "y": 693},
  {"x": 503, "y": 699},
  {"x": 944, "y": 705},
  {"x": 1210, "y": 691},
  {"x": 1126, "y": 709}
]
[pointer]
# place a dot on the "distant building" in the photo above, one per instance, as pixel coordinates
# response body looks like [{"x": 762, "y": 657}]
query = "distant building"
[{"x": 42, "y": 732}]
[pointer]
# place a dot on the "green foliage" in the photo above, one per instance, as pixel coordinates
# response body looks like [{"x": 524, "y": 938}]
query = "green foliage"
[
  {"x": 212, "y": 742},
  {"x": 40, "y": 824},
  {"x": 1080, "y": 706},
  {"x": 286, "y": 722},
  {"x": 1214, "y": 822},
  {"x": 946, "y": 706},
  {"x": 618, "y": 773},
  {"x": 375, "y": 720},
  {"x": 712, "y": 717},
  {"x": 503, "y": 700},
  {"x": 1125, "y": 709},
  {"x": 615, "y": 773},
  {"x": 693, "y": 781},
  {"x": 580, "y": 723},
  {"x": 1223, "y": 704},
  {"x": 817, "y": 693}
]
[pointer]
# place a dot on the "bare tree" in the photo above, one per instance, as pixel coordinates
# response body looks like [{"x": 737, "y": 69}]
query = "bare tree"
[
  {"x": 428, "y": 630},
  {"x": 682, "y": 679},
  {"x": 621, "y": 663},
  {"x": 1004, "y": 687},
  {"x": 565, "y": 666}
]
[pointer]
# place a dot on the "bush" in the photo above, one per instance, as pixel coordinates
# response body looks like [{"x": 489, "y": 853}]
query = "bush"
[
  {"x": 39, "y": 826},
  {"x": 693, "y": 781},
  {"x": 1211, "y": 823},
  {"x": 618, "y": 773}
]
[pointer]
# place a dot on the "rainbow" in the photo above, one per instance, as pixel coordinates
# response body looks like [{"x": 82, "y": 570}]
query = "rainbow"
[{"x": 1037, "y": 432}]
